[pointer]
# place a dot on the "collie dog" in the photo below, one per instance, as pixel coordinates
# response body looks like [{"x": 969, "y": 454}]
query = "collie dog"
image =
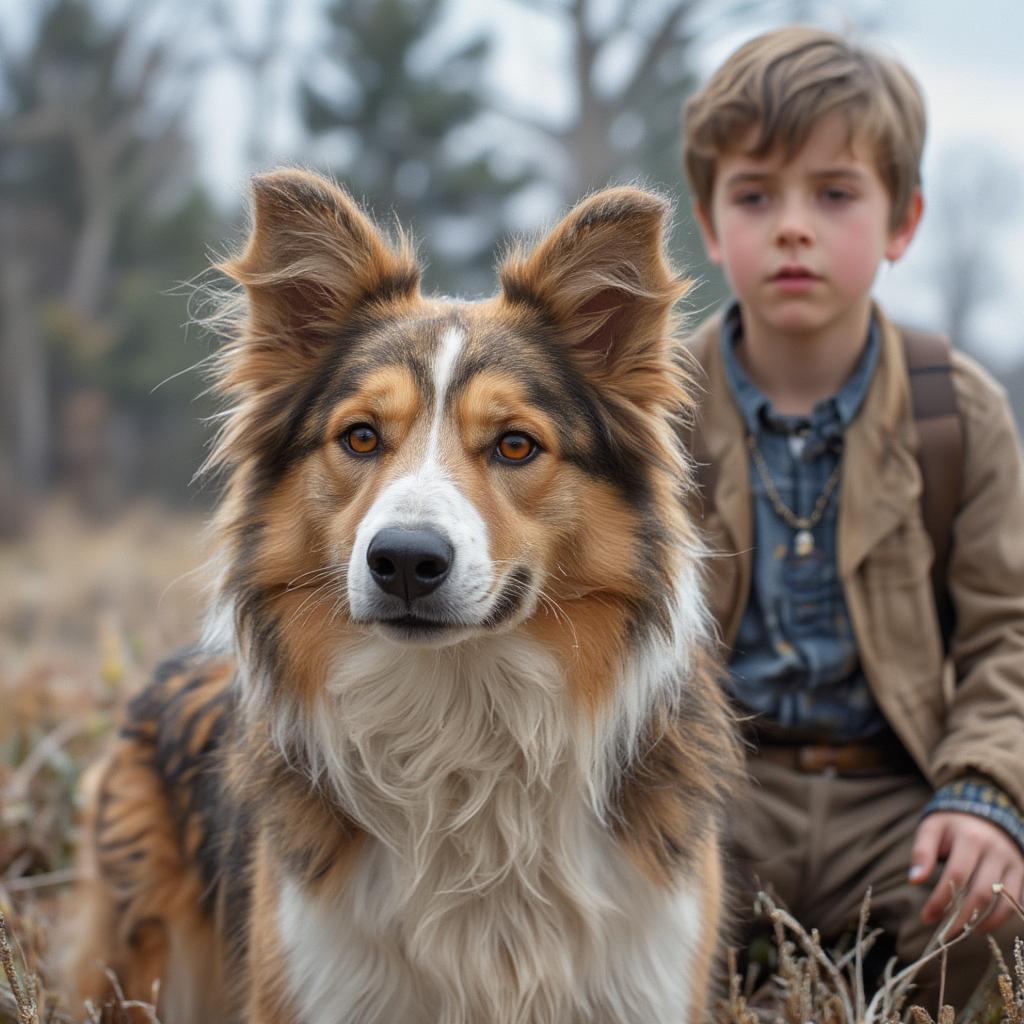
[{"x": 454, "y": 749}]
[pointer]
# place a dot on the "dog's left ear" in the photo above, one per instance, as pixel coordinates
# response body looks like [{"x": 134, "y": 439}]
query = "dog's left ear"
[{"x": 601, "y": 277}]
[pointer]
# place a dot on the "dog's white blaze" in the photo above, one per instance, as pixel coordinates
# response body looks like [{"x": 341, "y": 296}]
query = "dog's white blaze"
[
  {"x": 429, "y": 498},
  {"x": 444, "y": 364}
]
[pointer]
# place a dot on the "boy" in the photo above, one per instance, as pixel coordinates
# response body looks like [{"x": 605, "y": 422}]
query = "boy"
[{"x": 880, "y": 755}]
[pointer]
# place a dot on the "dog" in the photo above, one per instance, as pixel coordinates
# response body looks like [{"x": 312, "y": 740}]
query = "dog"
[{"x": 454, "y": 749}]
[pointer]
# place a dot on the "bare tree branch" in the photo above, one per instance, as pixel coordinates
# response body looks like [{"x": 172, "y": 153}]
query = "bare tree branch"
[{"x": 661, "y": 42}]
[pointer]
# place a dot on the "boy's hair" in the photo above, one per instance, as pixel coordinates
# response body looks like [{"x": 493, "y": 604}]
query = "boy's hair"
[{"x": 776, "y": 88}]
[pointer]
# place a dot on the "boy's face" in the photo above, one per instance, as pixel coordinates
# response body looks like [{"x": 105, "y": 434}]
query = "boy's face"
[{"x": 800, "y": 240}]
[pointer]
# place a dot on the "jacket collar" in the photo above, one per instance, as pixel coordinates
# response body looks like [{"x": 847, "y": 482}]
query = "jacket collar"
[
  {"x": 881, "y": 484},
  {"x": 880, "y": 481}
]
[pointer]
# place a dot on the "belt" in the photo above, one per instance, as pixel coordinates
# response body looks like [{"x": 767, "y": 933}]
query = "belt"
[{"x": 877, "y": 758}]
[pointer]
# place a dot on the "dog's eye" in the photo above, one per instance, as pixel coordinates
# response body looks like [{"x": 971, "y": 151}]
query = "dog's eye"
[
  {"x": 515, "y": 447},
  {"x": 361, "y": 439}
]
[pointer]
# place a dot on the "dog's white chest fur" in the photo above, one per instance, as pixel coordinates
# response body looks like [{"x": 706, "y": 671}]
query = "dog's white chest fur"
[
  {"x": 622, "y": 957},
  {"x": 493, "y": 894}
]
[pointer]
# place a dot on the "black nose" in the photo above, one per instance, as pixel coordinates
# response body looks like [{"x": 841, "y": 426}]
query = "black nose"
[{"x": 409, "y": 563}]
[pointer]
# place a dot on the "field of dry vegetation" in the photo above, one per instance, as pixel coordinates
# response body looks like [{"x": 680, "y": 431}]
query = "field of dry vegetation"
[{"x": 85, "y": 614}]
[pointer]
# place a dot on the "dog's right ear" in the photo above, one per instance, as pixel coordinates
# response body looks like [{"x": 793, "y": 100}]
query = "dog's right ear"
[{"x": 312, "y": 259}]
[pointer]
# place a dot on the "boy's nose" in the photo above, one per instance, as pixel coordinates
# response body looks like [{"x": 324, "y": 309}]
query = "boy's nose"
[{"x": 793, "y": 227}]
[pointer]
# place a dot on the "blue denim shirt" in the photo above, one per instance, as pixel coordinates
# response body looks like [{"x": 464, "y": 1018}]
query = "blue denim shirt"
[{"x": 795, "y": 658}]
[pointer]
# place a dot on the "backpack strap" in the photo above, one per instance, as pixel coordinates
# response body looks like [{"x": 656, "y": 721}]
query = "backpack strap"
[{"x": 940, "y": 454}]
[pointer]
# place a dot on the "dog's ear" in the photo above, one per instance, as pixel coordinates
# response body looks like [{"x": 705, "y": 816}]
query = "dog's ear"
[
  {"x": 313, "y": 258},
  {"x": 312, "y": 263},
  {"x": 601, "y": 277}
]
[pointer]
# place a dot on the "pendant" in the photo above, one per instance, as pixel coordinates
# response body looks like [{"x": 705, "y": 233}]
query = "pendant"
[{"x": 803, "y": 543}]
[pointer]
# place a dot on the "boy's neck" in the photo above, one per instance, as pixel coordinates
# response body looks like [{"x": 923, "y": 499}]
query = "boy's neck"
[{"x": 795, "y": 371}]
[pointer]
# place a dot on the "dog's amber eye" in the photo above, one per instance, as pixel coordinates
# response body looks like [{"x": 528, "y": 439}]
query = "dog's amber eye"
[
  {"x": 515, "y": 447},
  {"x": 361, "y": 439}
]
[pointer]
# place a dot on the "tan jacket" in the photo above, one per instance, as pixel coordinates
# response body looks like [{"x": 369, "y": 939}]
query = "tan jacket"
[{"x": 956, "y": 718}]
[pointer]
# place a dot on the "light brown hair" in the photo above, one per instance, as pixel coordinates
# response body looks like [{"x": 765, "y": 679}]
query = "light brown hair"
[{"x": 777, "y": 87}]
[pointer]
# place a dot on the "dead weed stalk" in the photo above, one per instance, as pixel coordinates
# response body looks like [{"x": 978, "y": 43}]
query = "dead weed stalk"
[{"x": 812, "y": 985}]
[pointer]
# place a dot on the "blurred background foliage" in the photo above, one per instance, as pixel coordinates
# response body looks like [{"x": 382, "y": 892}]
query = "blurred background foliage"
[{"x": 106, "y": 220}]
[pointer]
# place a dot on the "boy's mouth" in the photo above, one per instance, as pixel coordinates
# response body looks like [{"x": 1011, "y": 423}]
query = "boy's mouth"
[
  {"x": 793, "y": 272},
  {"x": 794, "y": 278}
]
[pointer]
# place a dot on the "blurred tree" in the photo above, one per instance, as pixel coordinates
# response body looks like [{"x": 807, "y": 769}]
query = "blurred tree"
[
  {"x": 251, "y": 37},
  {"x": 631, "y": 66},
  {"x": 92, "y": 155},
  {"x": 976, "y": 195},
  {"x": 398, "y": 115}
]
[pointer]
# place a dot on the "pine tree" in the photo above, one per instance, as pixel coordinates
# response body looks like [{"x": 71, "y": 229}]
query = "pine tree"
[{"x": 402, "y": 127}]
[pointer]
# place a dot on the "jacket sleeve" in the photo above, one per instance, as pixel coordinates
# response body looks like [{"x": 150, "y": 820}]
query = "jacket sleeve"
[{"x": 985, "y": 712}]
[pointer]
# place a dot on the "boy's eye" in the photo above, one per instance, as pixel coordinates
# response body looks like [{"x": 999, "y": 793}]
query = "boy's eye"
[
  {"x": 751, "y": 198},
  {"x": 361, "y": 439},
  {"x": 837, "y": 195},
  {"x": 516, "y": 447}
]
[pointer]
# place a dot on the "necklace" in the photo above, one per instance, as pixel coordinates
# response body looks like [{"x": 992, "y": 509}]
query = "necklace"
[{"x": 803, "y": 542}]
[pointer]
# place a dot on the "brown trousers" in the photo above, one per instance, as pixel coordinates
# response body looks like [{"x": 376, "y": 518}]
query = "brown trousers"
[{"x": 817, "y": 841}]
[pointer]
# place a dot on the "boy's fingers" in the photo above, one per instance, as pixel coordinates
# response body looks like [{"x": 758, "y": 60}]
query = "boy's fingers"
[
  {"x": 925, "y": 853},
  {"x": 954, "y": 878},
  {"x": 980, "y": 895}
]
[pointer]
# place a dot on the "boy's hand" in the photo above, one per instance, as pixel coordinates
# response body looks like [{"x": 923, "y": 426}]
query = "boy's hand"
[{"x": 977, "y": 854}]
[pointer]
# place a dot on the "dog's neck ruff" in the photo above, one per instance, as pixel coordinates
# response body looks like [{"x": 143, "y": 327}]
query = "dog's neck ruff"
[
  {"x": 416, "y": 743},
  {"x": 475, "y": 776},
  {"x": 470, "y": 768}
]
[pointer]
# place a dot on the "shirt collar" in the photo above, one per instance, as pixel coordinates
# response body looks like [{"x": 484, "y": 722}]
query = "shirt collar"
[{"x": 755, "y": 407}]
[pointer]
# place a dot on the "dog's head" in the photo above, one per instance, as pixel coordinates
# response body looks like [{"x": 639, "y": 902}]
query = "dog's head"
[{"x": 433, "y": 471}]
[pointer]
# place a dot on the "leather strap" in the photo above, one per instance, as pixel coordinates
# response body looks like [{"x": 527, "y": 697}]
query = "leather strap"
[
  {"x": 940, "y": 454},
  {"x": 843, "y": 758}
]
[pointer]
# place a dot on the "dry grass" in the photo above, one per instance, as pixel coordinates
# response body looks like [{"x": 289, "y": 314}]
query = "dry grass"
[
  {"x": 85, "y": 614},
  {"x": 813, "y": 984}
]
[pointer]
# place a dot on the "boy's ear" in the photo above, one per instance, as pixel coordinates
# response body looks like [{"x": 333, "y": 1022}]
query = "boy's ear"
[
  {"x": 707, "y": 231},
  {"x": 601, "y": 277},
  {"x": 901, "y": 236},
  {"x": 312, "y": 258}
]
